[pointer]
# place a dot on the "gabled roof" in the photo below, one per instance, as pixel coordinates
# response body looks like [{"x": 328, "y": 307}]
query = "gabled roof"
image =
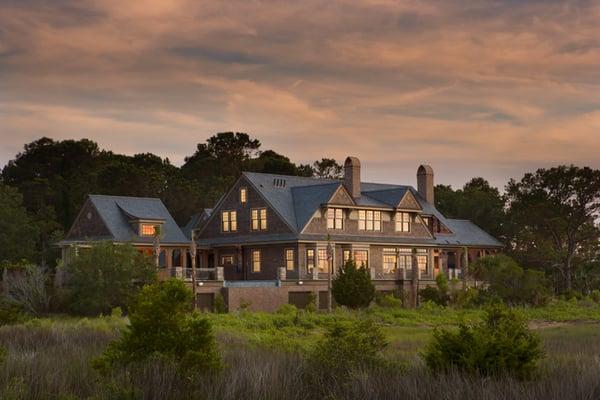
[
  {"x": 296, "y": 199},
  {"x": 195, "y": 222},
  {"x": 117, "y": 212}
]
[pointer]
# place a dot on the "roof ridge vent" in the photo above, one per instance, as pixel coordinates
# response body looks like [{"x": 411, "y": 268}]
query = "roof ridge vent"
[{"x": 279, "y": 182}]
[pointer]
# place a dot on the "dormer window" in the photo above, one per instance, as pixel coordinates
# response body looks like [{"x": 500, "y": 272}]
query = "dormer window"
[
  {"x": 148, "y": 229},
  {"x": 402, "y": 222},
  {"x": 369, "y": 220},
  {"x": 335, "y": 218},
  {"x": 243, "y": 195}
]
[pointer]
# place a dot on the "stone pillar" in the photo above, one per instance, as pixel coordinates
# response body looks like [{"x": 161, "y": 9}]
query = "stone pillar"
[
  {"x": 219, "y": 274},
  {"x": 282, "y": 274}
]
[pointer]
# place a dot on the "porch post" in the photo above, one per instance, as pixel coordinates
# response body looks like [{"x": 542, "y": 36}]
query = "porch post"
[
  {"x": 415, "y": 279},
  {"x": 465, "y": 269},
  {"x": 193, "y": 258}
]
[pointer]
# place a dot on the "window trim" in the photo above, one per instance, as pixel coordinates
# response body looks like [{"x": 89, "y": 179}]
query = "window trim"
[
  {"x": 310, "y": 260},
  {"x": 367, "y": 220},
  {"x": 325, "y": 266},
  {"x": 401, "y": 221},
  {"x": 243, "y": 195},
  {"x": 335, "y": 219},
  {"x": 287, "y": 260},
  {"x": 261, "y": 223},
  {"x": 256, "y": 261},
  {"x": 230, "y": 221}
]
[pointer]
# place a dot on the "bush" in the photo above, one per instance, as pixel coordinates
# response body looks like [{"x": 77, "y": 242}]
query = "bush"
[
  {"x": 437, "y": 294},
  {"x": 11, "y": 314},
  {"x": 106, "y": 276},
  {"x": 220, "y": 306},
  {"x": 348, "y": 346},
  {"x": 164, "y": 326},
  {"x": 508, "y": 281},
  {"x": 501, "y": 344},
  {"x": 26, "y": 286},
  {"x": 595, "y": 295},
  {"x": 387, "y": 300},
  {"x": 352, "y": 286}
]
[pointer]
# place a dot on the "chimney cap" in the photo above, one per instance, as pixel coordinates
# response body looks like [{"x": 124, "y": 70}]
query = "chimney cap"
[
  {"x": 352, "y": 161},
  {"x": 425, "y": 169}
]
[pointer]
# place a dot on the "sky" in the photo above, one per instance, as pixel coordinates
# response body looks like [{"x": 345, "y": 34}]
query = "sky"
[{"x": 490, "y": 88}]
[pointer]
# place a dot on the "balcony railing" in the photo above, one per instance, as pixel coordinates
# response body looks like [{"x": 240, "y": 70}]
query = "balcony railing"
[{"x": 202, "y": 274}]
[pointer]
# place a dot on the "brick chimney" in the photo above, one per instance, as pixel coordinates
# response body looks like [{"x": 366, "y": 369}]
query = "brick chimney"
[
  {"x": 352, "y": 176},
  {"x": 425, "y": 183}
]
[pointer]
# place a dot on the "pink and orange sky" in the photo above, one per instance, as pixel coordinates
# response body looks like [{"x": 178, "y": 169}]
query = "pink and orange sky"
[{"x": 492, "y": 87}]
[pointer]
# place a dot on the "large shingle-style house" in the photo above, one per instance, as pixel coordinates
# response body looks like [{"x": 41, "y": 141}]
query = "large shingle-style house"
[{"x": 273, "y": 239}]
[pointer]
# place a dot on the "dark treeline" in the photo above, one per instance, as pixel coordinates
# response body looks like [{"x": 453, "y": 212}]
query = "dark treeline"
[
  {"x": 52, "y": 179},
  {"x": 547, "y": 220}
]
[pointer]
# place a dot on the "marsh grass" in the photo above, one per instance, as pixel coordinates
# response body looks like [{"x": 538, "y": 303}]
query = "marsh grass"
[{"x": 50, "y": 359}]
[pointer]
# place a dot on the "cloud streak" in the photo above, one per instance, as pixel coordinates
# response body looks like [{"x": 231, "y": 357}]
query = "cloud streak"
[{"x": 490, "y": 88}]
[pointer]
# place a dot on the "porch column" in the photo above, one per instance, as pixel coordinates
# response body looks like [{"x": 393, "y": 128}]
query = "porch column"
[
  {"x": 415, "y": 279},
  {"x": 465, "y": 269}
]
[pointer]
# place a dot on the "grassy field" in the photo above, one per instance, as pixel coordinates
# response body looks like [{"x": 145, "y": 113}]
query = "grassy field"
[{"x": 50, "y": 359}]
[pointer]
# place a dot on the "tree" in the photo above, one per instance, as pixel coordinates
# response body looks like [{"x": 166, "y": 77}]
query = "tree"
[
  {"x": 511, "y": 283},
  {"x": 105, "y": 276},
  {"x": 162, "y": 325},
  {"x": 327, "y": 168},
  {"x": 273, "y": 163},
  {"x": 26, "y": 286},
  {"x": 476, "y": 201},
  {"x": 17, "y": 232},
  {"x": 352, "y": 286},
  {"x": 552, "y": 215}
]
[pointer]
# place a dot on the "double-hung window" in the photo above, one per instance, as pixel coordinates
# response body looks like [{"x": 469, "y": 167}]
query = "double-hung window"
[
  {"x": 243, "y": 195},
  {"x": 402, "y": 222},
  {"x": 259, "y": 219},
  {"x": 335, "y": 218},
  {"x": 322, "y": 254},
  {"x": 310, "y": 259},
  {"x": 389, "y": 260},
  {"x": 361, "y": 257},
  {"x": 369, "y": 220},
  {"x": 229, "y": 221},
  {"x": 256, "y": 261},
  {"x": 289, "y": 259}
]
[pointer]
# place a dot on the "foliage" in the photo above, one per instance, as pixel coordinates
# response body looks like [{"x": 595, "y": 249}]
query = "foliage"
[
  {"x": 27, "y": 289},
  {"x": 220, "y": 306},
  {"x": 552, "y": 217},
  {"x": 352, "y": 286},
  {"x": 476, "y": 201},
  {"x": 327, "y": 168},
  {"x": 17, "y": 232},
  {"x": 388, "y": 300},
  {"x": 501, "y": 344},
  {"x": 163, "y": 326},
  {"x": 10, "y": 314},
  {"x": 105, "y": 276},
  {"x": 346, "y": 347},
  {"x": 511, "y": 283},
  {"x": 438, "y": 294}
]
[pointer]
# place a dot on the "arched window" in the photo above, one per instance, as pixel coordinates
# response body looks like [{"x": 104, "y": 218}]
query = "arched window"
[{"x": 162, "y": 259}]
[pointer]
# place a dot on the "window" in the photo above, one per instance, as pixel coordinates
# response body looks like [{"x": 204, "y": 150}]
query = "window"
[
  {"x": 310, "y": 259},
  {"x": 229, "y": 221},
  {"x": 422, "y": 260},
  {"x": 256, "y": 261},
  {"x": 361, "y": 257},
  {"x": 335, "y": 218},
  {"x": 243, "y": 195},
  {"x": 227, "y": 260},
  {"x": 369, "y": 220},
  {"x": 389, "y": 263},
  {"x": 322, "y": 253},
  {"x": 405, "y": 259},
  {"x": 176, "y": 258},
  {"x": 259, "y": 219},
  {"x": 289, "y": 259},
  {"x": 402, "y": 222},
  {"x": 346, "y": 255},
  {"x": 148, "y": 229}
]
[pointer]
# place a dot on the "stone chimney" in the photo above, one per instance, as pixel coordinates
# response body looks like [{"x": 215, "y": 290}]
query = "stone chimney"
[
  {"x": 352, "y": 176},
  {"x": 425, "y": 183}
]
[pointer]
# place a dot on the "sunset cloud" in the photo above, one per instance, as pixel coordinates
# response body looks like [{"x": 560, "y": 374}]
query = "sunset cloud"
[{"x": 490, "y": 88}]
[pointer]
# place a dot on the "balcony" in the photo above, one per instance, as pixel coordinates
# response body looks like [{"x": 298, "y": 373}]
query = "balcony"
[{"x": 202, "y": 274}]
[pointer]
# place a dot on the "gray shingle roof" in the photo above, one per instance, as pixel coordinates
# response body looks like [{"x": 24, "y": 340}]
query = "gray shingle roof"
[
  {"x": 195, "y": 221},
  {"x": 118, "y": 211},
  {"x": 298, "y": 198}
]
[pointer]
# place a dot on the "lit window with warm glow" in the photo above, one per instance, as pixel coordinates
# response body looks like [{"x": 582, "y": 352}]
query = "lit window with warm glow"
[
  {"x": 148, "y": 229},
  {"x": 243, "y": 195}
]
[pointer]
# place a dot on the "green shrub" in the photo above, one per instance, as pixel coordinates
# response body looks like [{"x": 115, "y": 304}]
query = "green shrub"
[
  {"x": 388, "y": 300},
  {"x": 508, "y": 281},
  {"x": 595, "y": 295},
  {"x": 164, "y": 326},
  {"x": 311, "y": 306},
  {"x": 352, "y": 286},
  {"x": 501, "y": 344},
  {"x": 467, "y": 298},
  {"x": 348, "y": 346},
  {"x": 432, "y": 294},
  {"x": 220, "y": 306},
  {"x": 11, "y": 314},
  {"x": 3, "y": 354},
  {"x": 106, "y": 276},
  {"x": 287, "y": 309}
]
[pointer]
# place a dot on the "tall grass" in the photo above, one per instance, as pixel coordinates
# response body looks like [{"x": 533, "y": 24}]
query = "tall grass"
[{"x": 50, "y": 360}]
